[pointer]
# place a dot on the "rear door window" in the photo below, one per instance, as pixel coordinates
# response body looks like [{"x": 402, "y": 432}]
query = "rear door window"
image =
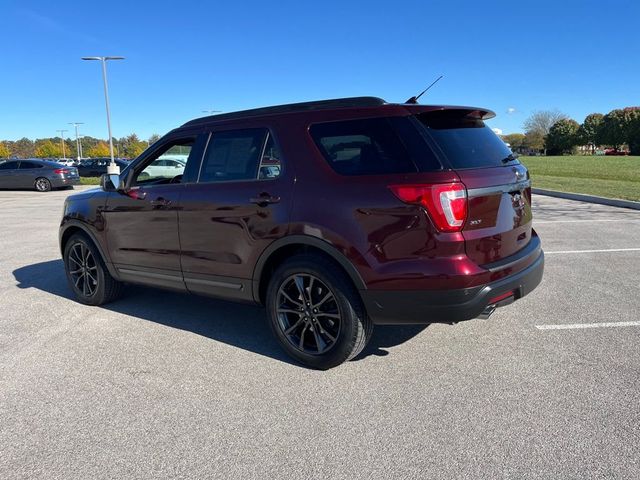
[
  {"x": 233, "y": 155},
  {"x": 372, "y": 146},
  {"x": 466, "y": 142}
]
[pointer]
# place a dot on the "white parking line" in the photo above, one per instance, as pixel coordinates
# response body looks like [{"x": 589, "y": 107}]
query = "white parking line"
[
  {"x": 569, "y": 326},
  {"x": 538, "y": 222},
  {"x": 595, "y": 251}
]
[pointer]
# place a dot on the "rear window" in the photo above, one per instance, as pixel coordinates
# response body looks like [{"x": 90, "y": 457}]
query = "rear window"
[
  {"x": 372, "y": 146},
  {"x": 466, "y": 142}
]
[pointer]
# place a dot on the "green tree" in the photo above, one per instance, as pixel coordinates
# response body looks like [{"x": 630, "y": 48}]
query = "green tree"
[
  {"x": 613, "y": 130},
  {"x": 4, "y": 151},
  {"x": 48, "y": 149},
  {"x": 23, "y": 148},
  {"x": 515, "y": 140},
  {"x": 154, "y": 138},
  {"x": 562, "y": 136},
  {"x": 131, "y": 146},
  {"x": 588, "y": 131},
  {"x": 633, "y": 135},
  {"x": 99, "y": 149},
  {"x": 534, "y": 141},
  {"x": 538, "y": 124}
]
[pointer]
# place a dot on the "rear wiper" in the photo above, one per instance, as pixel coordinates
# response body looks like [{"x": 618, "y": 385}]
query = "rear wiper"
[{"x": 509, "y": 158}]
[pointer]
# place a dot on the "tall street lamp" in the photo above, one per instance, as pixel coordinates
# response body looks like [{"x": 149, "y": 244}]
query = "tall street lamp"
[
  {"x": 112, "y": 168},
  {"x": 64, "y": 156},
  {"x": 78, "y": 144}
]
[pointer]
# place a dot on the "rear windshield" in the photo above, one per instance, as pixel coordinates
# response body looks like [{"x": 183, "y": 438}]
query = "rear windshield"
[
  {"x": 466, "y": 142},
  {"x": 373, "y": 146}
]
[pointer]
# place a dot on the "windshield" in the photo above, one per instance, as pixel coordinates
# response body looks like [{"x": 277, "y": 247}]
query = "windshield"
[{"x": 466, "y": 141}]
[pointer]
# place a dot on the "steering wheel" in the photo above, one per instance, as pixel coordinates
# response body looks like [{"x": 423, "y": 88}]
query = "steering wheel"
[{"x": 176, "y": 179}]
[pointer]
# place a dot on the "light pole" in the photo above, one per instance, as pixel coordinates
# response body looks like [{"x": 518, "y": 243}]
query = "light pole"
[
  {"x": 112, "y": 168},
  {"x": 64, "y": 156},
  {"x": 78, "y": 146}
]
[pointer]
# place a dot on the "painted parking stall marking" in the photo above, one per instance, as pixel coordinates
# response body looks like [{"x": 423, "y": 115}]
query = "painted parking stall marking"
[
  {"x": 571, "y": 326},
  {"x": 605, "y": 250}
]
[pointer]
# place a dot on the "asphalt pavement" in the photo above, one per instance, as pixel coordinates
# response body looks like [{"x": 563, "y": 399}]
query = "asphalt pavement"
[{"x": 161, "y": 385}]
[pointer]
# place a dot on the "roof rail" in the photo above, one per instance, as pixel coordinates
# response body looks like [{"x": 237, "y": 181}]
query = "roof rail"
[{"x": 293, "y": 107}]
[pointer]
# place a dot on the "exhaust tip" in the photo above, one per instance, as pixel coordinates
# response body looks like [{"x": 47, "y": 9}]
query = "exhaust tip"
[{"x": 486, "y": 313}]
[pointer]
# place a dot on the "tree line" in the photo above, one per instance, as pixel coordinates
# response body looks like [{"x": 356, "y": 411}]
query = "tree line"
[
  {"x": 555, "y": 133},
  {"x": 125, "y": 147}
]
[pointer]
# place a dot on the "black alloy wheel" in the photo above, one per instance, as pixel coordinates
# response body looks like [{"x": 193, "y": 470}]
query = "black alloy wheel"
[
  {"x": 87, "y": 274},
  {"x": 83, "y": 269},
  {"x": 308, "y": 314},
  {"x": 315, "y": 311}
]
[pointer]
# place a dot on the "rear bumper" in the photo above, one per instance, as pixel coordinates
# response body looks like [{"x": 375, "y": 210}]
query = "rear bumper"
[
  {"x": 57, "y": 182},
  {"x": 393, "y": 307}
]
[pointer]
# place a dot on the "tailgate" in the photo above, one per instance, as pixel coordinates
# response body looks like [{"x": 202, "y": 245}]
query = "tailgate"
[{"x": 499, "y": 212}]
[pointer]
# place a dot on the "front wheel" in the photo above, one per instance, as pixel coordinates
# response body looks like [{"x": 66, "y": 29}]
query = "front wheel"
[
  {"x": 315, "y": 312},
  {"x": 87, "y": 274}
]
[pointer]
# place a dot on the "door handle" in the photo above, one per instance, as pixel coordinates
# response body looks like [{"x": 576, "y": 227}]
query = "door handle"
[
  {"x": 264, "y": 199},
  {"x": 160, "y": 202}
]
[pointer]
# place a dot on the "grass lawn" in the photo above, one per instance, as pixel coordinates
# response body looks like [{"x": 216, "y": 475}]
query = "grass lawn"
[
  {"x": 89, "y": 180},
  {"x": 613, "y": 177}
]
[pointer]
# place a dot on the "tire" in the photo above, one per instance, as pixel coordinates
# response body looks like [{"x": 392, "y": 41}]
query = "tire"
[
  {"x": 305, "y": 329},
  {"x": 42, "y": 184},
  {"x": 87, "y": 274}
]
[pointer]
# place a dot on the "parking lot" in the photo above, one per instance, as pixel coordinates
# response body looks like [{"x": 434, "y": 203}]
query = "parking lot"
[{"x": 162, "y": 385}]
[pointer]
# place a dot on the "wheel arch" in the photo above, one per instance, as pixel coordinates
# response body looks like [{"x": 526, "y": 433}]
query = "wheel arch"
[
  {"x": 71, "y": 228},
  {"x": 284, "y": 248}
]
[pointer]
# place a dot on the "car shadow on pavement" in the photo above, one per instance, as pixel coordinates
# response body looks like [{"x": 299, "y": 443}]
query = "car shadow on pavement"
[{"x": 243, "y": 326}]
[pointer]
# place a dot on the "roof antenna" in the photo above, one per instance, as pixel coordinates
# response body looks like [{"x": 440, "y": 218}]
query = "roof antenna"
[{"x": 414, "y": 100}]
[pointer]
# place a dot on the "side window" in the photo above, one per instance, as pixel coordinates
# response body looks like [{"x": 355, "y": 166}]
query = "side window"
[
  {"x": 362, "y": 147},
  {"x": 233, "y": 155},
  {"x": 160, "y": 170},
  {"x": 8, "y": 165},
  {"x": 26, "y": 165},
  {"x": 271, "y": 162}
]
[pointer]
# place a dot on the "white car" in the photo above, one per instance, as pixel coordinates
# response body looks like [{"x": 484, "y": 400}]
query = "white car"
[{"x": 165, "y": 167}]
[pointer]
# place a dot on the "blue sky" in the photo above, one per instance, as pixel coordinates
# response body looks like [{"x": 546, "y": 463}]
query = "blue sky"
[{"x": 185, "y": 57}]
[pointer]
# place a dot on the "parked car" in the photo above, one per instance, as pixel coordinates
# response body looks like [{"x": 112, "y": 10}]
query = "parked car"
[
  {"x": 94, "y": 167},
  {"x": 368, "y": 213},
  {"x": 165, "y": 167},
  {"x": 43, "y": 175},
  {"x": 615, "y": 152},
  {"x": 68, "y": 162}
]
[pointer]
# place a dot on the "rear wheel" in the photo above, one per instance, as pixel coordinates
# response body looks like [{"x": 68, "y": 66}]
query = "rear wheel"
[
  {"x": 42, "y": 184},
  {"x": 86, "y": 273},
  {"x": 316, "y": 313}
]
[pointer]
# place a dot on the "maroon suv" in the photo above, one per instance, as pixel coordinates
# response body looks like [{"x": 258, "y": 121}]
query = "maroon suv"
[{"x": 336, "y": 215}]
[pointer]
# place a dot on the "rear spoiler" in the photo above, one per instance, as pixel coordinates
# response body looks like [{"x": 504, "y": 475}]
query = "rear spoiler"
[{"x": 469, "y": 112}]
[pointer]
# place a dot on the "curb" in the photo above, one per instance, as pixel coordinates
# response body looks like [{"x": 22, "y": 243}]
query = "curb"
[{"x": 613, "y": 202}]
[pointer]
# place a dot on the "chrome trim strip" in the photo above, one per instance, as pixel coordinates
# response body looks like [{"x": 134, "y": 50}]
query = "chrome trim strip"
[
  {"x": 493, "y": 190},
  {"x": 214, "y": 283},
  {"x": 141, "y": 273}
]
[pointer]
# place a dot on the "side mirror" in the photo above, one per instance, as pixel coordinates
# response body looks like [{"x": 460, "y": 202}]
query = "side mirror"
[{"x": 110, "y": 182}]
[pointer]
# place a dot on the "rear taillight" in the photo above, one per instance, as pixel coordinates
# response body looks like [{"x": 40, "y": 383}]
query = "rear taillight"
[
  {"x": 446, "y": 203},
  {"x": 61, "y": 171}
]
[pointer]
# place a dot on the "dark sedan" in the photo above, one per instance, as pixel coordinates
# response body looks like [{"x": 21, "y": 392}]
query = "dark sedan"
[
  {"x": 95, "y": 167},
  {"x": 43, "y": 175}
]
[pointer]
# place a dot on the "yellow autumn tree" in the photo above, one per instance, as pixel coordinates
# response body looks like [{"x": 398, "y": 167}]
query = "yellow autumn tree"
[
  {"x": 100, "y": 149},
  {"x": 4, "y": 151}
]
